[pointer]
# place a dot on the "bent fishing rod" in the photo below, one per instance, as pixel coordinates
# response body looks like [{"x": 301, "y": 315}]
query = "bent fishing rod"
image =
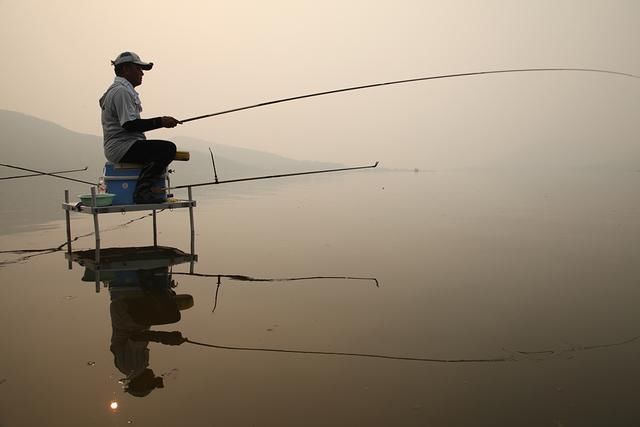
[
  {"x": 418, "y": 79},
  {"x": 48, "y": 174},
  {"x": 516, "y": 356}
]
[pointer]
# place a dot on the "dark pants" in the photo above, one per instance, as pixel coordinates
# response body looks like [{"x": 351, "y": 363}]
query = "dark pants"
[{"x": 155, "y": 155}]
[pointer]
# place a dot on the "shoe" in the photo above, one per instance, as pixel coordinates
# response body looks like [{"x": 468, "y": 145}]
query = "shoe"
[
  {"x": 149, "y": 197},
  {"x": 145, "y": 193}
]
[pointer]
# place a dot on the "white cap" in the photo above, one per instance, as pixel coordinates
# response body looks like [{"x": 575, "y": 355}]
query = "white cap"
[{"x": 133, "y": 57}]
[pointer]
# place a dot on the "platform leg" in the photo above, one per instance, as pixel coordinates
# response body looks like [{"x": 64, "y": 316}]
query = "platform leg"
[
  {"x": 155, "y": 230},
  {"x": 68, "y": 220},
  {"x": 96, "y": 226},
  {"x": 193, "y": 231}
]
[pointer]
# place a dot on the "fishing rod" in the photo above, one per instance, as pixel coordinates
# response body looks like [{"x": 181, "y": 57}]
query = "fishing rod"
[
  {"x": 255, "y": 178},
  {"x": 40, "y": 174},
  {"x": 48, "y": 174},
  {"x": 395, "y": 82}
]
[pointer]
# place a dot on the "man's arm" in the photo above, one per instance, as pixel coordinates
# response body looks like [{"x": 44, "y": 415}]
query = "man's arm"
[
  {"x": 144, "y": 125},
  {"x": 129, "y": 116},
  {"x": 164, "y": 337}
]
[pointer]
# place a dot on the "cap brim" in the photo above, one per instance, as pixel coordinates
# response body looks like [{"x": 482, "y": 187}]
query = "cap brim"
[{"x": 144, "y": 65}]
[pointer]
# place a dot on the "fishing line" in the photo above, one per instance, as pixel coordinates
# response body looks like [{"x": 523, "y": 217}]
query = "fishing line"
[
  {"x": 395, "y": 82},
  {"x": 39, "y": 252},
  {"x": 580, "y": 348}
]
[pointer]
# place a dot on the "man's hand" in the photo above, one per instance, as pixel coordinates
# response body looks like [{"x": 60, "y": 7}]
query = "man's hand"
[
  {"x": 169, "y": 122},
  {"x": 171, "y": 338}
]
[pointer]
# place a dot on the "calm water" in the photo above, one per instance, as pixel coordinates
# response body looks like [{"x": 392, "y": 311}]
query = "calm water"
[{"x": 521, "y": 288}]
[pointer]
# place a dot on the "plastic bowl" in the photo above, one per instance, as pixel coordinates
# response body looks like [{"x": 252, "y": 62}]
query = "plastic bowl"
[{"x": 102, "y": 199}]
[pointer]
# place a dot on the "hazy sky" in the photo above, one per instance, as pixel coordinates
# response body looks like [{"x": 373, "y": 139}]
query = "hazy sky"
[{"x": 214, "y": 55}]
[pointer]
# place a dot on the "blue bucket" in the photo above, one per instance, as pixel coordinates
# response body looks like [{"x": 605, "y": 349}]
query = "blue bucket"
[{"x": 121, "y": 179}]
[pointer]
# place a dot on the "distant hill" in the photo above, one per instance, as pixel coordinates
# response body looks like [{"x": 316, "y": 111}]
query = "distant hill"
[
  {"x": 31, "y": 142},
  {"x": 35, "y": 143}
]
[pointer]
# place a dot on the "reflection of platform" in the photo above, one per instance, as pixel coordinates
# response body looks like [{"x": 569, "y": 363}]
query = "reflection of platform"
[
  {"x": 123, "y": 263},
  {"x": 122, "y": 259}
]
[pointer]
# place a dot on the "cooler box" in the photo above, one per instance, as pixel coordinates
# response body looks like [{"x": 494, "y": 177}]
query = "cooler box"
[{"x": 121, "y": 178}]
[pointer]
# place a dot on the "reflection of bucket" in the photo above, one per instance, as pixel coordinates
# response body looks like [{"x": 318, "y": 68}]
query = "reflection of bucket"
[
  {"x": 90, "y": 275},
  {"x": 121, "y": 178},
  {"x": 183, "y": 301},
  {"x": 153, "y": 309}
]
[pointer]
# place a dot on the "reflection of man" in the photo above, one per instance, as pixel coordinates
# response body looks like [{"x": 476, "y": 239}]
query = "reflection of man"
[
  {"x": 133, "y": 312},
  {"x": 124, "y": 139}
]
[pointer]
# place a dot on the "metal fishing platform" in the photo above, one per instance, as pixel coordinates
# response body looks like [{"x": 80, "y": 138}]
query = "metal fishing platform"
[
  {"x": 91, "y": 206},
  {"x": 96, "y": 211},
  {"x": 132, "y": 258}
]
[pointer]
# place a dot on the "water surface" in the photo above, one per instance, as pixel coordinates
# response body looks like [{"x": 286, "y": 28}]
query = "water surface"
[{"x": 521, "y": 288}]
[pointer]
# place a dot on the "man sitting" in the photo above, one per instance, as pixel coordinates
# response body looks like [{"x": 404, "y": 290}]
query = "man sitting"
[{"x": 124, "y": 139}]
